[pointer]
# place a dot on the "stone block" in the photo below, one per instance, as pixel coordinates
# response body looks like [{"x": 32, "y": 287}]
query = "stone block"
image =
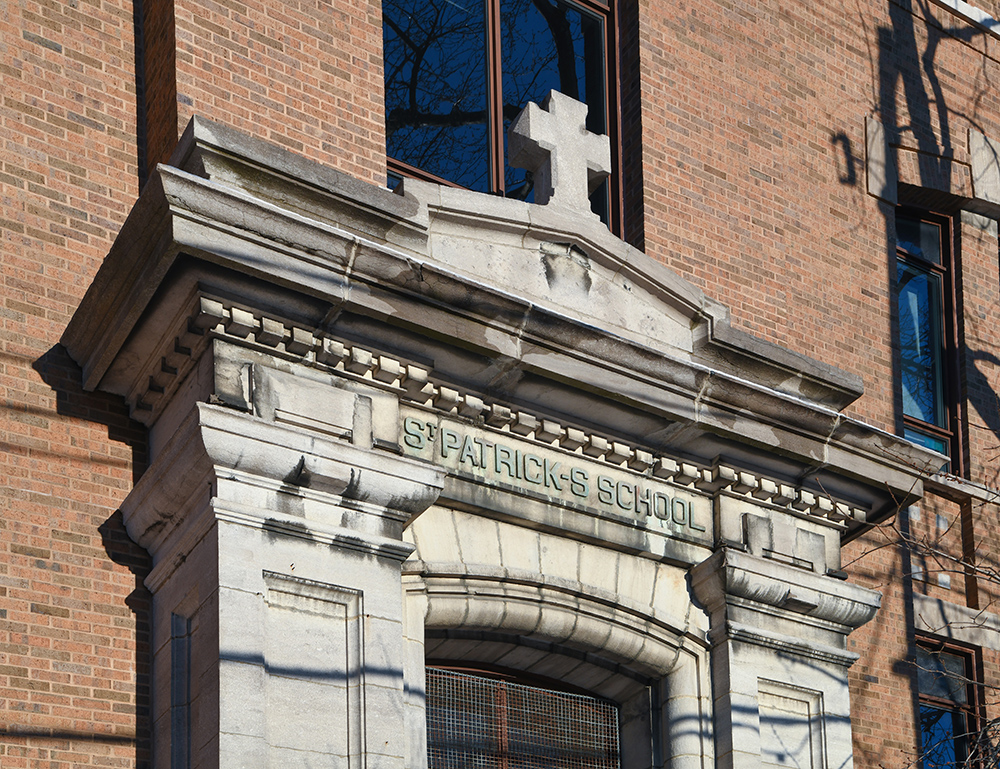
[
  {"x": 636, "y": 579},
  {"x": 478, "y": 539},
  {"x": 599, "y": 567},
  {"x": 519, "y": 548},
  {"x": 236, "y": 751},
  {"x": 300, "y": 341},
  {"x": 384, "y": 715},
  {"x": 559, "y": 557},
  {"x": 984, "y": 155},
  {"x": 382, "y": 661},
  {"x": 240, "y": 624},
  {"x": 881, "y": 164},
  {"x": 271, "y": 332},
  {"x": 303, "y": 714},
  {"x": 435, "y": 535},
  {"x": 242, "y": 708}
]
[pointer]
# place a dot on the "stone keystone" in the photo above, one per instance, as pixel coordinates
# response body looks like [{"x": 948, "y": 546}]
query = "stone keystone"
[{"x": 566, "y": 160}]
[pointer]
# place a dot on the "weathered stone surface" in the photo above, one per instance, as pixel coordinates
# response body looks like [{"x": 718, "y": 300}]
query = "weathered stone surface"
[
  {"x": 985, "y": 157},
  {"x": 567, "y": 161},
  {"x": 976, "y": 627},
  {"x": 779, "y": 658}
]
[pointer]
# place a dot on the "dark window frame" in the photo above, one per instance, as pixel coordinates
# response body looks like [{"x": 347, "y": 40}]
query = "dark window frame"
[
  {"x": 947, "y": 271},
  {"x": 971, "y": 711},
  {"x": 608, "y": 10}
]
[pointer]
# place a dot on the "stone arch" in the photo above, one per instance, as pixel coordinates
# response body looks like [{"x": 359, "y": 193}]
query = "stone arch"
[
  {"x": 575, "y": 615},
  {"x": 617, "y": 624}
]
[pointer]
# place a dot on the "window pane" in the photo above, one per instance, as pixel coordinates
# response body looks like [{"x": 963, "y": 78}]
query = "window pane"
[
  {"x": 435, "y": 87},
  {"x": 942, "y": 675},
  {"x": 919, "y": 238},
  {"x": 932, "y": 442},
  {"x": 944, "y": 737},
  {"x": 549, "y": 45},
  {"x": 920, "y": 341}
]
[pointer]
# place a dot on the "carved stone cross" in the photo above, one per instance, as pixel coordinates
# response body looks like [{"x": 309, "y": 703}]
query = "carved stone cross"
[{"x": 567, "y": 161}]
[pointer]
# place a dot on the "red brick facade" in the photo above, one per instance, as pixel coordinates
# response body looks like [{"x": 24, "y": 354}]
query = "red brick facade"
[{"x": 743, "y": 135}]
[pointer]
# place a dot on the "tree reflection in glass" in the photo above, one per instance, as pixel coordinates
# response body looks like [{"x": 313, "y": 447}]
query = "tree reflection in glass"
[
  {"x": 944, "y": 734},
  {"x": 945, "y": 717},
  {"x": 920, "y": 341},
  {"x": 549, "y": 45},
  {"x": 435, "y": 87},
  {"x": 439, "y": 107}
]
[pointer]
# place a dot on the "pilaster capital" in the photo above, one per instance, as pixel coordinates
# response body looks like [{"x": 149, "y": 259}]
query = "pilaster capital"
[
  {"x": 225, "y": 464},
  {"x": 731, "y": 577}
]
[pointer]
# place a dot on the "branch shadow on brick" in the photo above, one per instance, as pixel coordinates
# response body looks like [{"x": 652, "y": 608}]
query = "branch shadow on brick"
[{"x": 64, "y": 376}]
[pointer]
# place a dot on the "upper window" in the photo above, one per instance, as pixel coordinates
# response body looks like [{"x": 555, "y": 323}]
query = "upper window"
[
  {"x": 495, "y": 723},
  {"x": 457, "y": 73},
  {"x": 925, "y": 302},
  {"x": 948, "y": 714}
]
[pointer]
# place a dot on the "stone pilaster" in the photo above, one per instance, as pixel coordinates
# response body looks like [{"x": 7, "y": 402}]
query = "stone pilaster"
[
  {"x": 779, "y": 659},
  {"x": 276, "y": 586}
]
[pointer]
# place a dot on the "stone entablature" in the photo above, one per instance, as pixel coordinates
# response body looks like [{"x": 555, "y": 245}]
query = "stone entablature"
[
  {"x": 341, "y": 257},
  {"x": 210, "y": 318}
]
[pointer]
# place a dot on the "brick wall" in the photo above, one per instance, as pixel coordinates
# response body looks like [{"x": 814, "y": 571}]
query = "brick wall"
[
  {"x": 73, "y": 681},
  {"x": 305, "y": 74},
  {"x": 754, "y": 187},
  {"x": 754, "y": 178},
  {"x": 882, "y": 690}
]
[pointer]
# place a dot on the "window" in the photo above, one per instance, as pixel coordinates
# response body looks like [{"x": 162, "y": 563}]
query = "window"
[
  {"x": 948, "y": 713},
  {"x": 457, "y": 73},
  {"x": 494, "y": 723},
  {"x": 925, "y": 304}
]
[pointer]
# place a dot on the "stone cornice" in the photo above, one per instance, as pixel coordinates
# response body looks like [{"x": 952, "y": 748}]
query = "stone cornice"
[
  {"x": 208, "y": 318},
  {"x": 211, "y": 318}
]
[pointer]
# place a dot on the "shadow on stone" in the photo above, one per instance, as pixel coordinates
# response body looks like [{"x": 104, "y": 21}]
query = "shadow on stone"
[{"x": 64, "y": 376}]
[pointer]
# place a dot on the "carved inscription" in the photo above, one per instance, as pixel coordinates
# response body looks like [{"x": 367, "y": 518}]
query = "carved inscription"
[{"x": 501, "y": 459}]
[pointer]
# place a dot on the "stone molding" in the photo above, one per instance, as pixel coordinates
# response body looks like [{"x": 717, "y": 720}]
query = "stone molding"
[
  {"x": 808, "y": 649},
  {"x": 972, "y": 15},
  {"x": 730, "y": 575},
  {"x": 544, "y": 609},
  {"x": 406, "y": 219},
  {"x": 332, "y": 603},
  {"x": 230, "y": 460}
]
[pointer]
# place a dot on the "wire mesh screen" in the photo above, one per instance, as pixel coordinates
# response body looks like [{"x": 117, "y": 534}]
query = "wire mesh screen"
[{"x": 483, "y": 723}]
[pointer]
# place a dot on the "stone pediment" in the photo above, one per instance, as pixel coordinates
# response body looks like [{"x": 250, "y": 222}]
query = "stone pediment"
[
  {"x": 524, "y": 304},
  {"x": 575, "y": 267},
  {"x": 546, "y": 259}
]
